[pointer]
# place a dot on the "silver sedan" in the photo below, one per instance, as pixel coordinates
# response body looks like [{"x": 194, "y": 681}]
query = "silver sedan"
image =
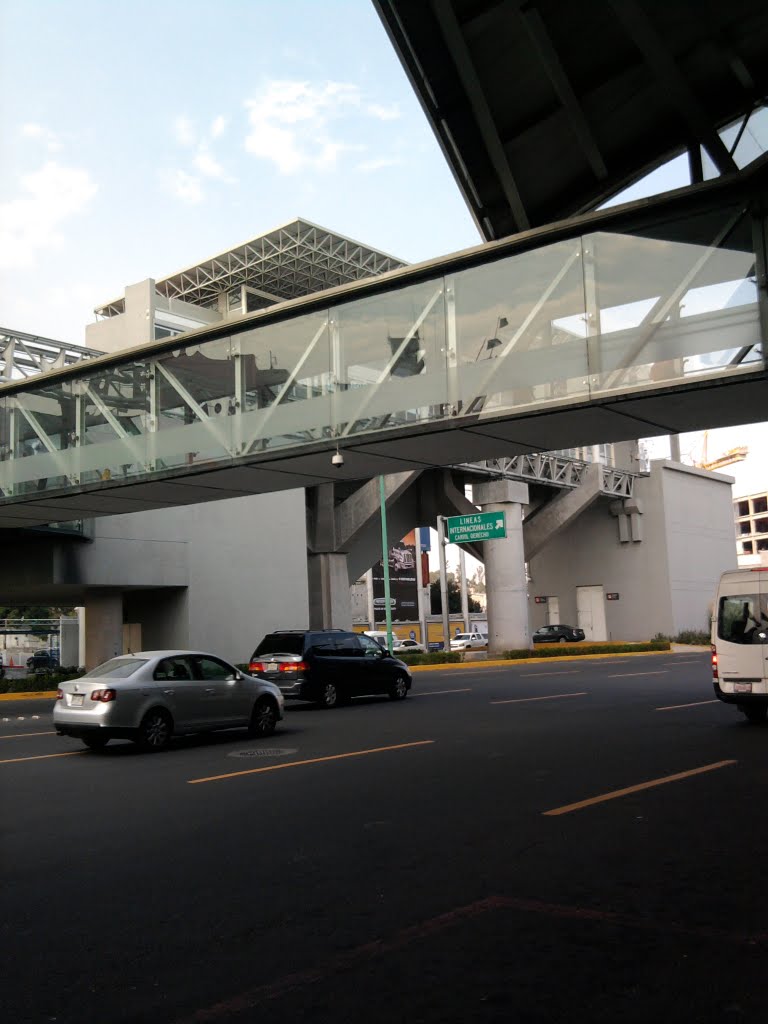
[{"x": 152, "y": 695}]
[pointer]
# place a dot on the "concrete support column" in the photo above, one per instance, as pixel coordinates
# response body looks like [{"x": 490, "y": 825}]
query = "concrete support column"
[
  {"x": 103, "y": 626},
  {"x": 505, "y": 583},
  {"x": 329, "y": 603}
]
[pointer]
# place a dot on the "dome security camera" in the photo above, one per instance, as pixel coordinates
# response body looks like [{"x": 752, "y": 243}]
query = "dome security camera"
[{"x": 337, "y": 460}]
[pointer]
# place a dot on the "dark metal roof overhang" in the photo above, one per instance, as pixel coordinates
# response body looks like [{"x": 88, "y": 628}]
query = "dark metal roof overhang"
[{"x": 546, "y": 109}]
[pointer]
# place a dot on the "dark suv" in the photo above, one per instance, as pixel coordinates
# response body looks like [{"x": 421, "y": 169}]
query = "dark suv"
[
  {"x": 328, "y": 666},
  {"x": 43, "y": 661}
]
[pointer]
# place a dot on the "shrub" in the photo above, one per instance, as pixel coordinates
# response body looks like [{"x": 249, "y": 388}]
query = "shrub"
[
  {"x": 693, "y": 636},
  {"x": 40, "y": 681},
  {"x": 574, "y": 650},
  {"x": 431, "y": 658}
]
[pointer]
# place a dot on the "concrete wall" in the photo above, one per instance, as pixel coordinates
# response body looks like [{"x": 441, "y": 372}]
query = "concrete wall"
[
  {"x": 700, "y": 537},
  {"x": 666, "y": 580}
]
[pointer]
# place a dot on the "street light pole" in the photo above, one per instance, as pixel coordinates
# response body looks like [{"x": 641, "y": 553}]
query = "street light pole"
[
  {"x": 441, "y": 542},
  {"x": 385, "y": 560}
]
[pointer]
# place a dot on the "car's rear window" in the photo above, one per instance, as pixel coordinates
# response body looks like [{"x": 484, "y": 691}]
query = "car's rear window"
[
  {"x": 116, "y": 668},
  {"x": 280, "y": 643}
]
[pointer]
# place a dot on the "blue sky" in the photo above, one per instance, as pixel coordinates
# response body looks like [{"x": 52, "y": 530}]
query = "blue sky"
[
  {"x": 143, "y": 137},
  {"x": 140, "y": 138}
]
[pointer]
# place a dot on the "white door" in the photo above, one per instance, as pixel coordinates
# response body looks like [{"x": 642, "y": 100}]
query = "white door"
[
  {"x": 590, "y": 611},
  {"x": 553, "y": 611}
]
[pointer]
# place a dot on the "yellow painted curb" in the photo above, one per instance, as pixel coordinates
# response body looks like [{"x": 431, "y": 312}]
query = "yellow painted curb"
[
  {"x": 33, "y": 695},
  {"x": 509, "y": 662}
]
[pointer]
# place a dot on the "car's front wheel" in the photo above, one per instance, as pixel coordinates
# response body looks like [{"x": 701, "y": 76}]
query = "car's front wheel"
[
  {"x": 399, "y": 689},
  {"x": 563, "y": 640},
  {"x": 263, "y": 718},
  {"x": 154, "y": 733}
]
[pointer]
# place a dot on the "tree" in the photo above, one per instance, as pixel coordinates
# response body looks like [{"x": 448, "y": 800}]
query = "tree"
[{"x": 454, "y": 595}]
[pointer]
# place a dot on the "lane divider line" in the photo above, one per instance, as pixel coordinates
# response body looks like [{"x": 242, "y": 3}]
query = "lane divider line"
[
  {"x": 310, "y": 760},
  {"x": 42, "y": 757},
  {"x": 525, "y": 700},
  {"x": 434, "y": 693},
  {"x": 616, "y": 793},
  {"x": 625, "y": 675},
  {"x": 19, "y": 735},
  {"x": 696, "y": 704},
  {"x": 541, "y": 675}
]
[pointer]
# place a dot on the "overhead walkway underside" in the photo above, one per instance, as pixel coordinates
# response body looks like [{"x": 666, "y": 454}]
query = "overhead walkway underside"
[{"x": 647, "y": 319}]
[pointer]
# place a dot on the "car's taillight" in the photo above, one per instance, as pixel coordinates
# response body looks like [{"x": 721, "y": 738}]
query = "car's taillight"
[
  {"x": 715, "y": 673},
  {"x": 105, "y": 696},
  {"x": 256, "y": 666},
  {"x": 59, "y": 695},
  {"x": 293, "y": 666}
]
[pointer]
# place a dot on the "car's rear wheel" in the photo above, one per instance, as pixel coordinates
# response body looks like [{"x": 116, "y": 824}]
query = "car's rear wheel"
[
  {"x": 399, "y": 689},
  {"x": 263, "y": 718},
  {"x": 755, "y": 713},
  {"x": 154, "y": 733},
  {"x": 95, "y": 742},
  {"x": 563, "y": 640},
  {"x": 330, "y": 695}
]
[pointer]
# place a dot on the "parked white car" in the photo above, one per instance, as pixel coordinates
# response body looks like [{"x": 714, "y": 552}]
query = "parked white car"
[
  {"x": 404, "y": 646},
  {"x": 469, "y": 641}
]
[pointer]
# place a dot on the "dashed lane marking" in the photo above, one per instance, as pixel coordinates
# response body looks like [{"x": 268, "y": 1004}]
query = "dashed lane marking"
[
  {"x": 616, "y": 793},
  {"x": 541, "y": 675},
  {"x": 525, "y": 700},
  {"x": 311, "y": 760},
  {"x": 625, "y": 675},
  {"x": 19, "y": 735},
  {"x": 435, "y": 693},
  {"x": 695, "y": 704},
  {"x": 42, "y": 757}
]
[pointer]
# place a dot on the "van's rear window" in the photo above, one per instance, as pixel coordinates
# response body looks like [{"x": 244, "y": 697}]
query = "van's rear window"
[{"x": 280, "y": 643}]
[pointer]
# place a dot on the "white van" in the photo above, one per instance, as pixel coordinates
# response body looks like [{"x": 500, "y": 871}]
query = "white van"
[{"x": 740, "y": 641}]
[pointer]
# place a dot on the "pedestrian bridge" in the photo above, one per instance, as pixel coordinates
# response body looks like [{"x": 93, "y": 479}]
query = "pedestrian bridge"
[{"x": 645, "y": 319}]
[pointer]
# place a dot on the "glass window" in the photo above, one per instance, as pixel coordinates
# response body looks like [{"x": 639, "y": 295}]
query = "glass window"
[
  {"x": 743, "y": 619},
  {"x": 212, "y": 668},
  {"x": 173, "y": 668},
  {"x": 370, "y": 648},
  {"x": 280, "y": 643},
  {"x": 348, "y": 646},
  {"x": 323, "y": 645},
  {"x": 116, "y": 668}
]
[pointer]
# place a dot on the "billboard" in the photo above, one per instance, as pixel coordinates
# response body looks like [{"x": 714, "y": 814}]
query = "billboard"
[{"x": 403, "y": 597}]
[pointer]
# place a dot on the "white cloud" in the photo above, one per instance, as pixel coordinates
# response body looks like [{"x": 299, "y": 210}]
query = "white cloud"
[
  {"x": 31, "y": 222},
  {"x": 218, "y": 126},
  {"x": 32, "y": 130},
  {"x": 183, "y": 186},
  {"x": 184, "y": 131},
  {"x": 377, "y": 164},
  {"x": 383, "y": 113},
  {"x": 289, "y": 123},
  {"x": 209, "y": 167}
]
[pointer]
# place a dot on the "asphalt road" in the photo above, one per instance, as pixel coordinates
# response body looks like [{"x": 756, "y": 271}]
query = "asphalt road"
[{"x": 444, "y": 859}]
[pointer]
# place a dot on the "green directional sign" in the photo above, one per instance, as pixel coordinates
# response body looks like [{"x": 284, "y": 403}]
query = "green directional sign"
[{"x": 480, "y": 526}]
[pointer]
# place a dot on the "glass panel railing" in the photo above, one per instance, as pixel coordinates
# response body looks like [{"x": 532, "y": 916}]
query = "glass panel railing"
[
  {"x": 40, "y": 444},
  {"x": 390, "y": 360},
  {"x": 520, "y": 335},
  {"x": 668, "y": 311},
  {"x": 112, "y": 406},
  {"x": 285, "y": 384}
]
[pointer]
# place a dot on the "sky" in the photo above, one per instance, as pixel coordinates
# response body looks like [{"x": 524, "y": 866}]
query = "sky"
[{"x": 139, "y": 138}]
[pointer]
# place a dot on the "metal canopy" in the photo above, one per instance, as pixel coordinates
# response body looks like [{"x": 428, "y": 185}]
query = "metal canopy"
[
  {"x": 295, "y": 259},
  {"x": 547, "y": 108}
]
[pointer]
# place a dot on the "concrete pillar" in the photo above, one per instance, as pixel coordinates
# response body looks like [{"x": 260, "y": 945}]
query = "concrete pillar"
[
  {"x": 329, "y": 603},
  {"x": 505, "y": 583},
  {"x": 103, "y": 626}
]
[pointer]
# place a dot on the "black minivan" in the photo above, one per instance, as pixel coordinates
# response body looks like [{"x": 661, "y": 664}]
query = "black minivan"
[{"x": 328, "y": 666}]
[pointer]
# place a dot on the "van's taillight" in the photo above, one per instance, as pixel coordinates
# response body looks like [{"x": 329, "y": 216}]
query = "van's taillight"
[
  {"x": 256, "y": 666},
  {"x": 293, "y": 666},
  {"x": 105, "y": 696},
  {"x": 715, "y": 674},
  {"x": 59, "y": 695}
]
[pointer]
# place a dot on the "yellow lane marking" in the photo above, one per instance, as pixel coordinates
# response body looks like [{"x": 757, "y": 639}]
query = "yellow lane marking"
[
  {"x": 525, "y": 700},
  {"x": 18, "y": 735},
  {"x": 696, "y": 704},
  {"x": 42, "y": 757},
  {"x": 540, "y": 675},
  {"x": 311, "y": 760},
  {"x": 624, "y": 675},
  {"x": 636, "y": 789},
  {"x": 434, "y": 693}
]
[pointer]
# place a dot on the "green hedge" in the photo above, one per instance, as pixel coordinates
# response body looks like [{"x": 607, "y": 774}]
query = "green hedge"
[
  {"x": 573, "y": 650},
  {"x": 39, "y": 681},
  {"x": 431, "y": 658}
]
